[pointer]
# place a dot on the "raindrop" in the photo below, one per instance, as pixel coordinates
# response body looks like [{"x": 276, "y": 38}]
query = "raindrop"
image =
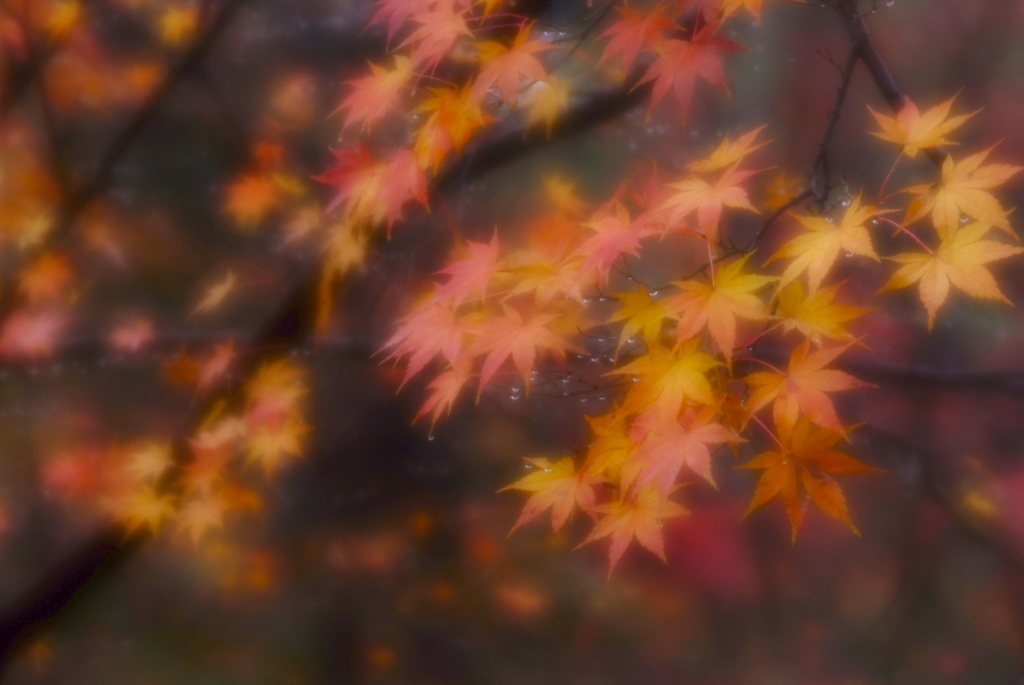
[{"x": 430, "y": 438}]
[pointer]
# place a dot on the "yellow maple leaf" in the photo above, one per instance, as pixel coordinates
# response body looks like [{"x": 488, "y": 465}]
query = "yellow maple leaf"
[
  {"x": 556, "y": 486},
  {"x": 816, "y": 315},
  {"x": 816, "y": 249},
  {"x": 729, "y": 153},
  {"x": 959, "y": 261},
  {"x": 145, "y": 508},
  {"x": 963, "y": 190},
  {"x": 640, "y": 313},
  {"x": 717, "y": 305},
  {"x": 916, "y": 131},
  {"x": 665, "y": 379}
]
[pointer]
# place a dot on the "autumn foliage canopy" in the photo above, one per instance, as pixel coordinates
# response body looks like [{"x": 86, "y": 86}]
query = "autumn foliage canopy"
[{"x": 732, "y": 361}]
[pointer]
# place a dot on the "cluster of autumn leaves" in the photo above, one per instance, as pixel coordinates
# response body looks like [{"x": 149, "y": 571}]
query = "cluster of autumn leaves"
[
  {"x": 685, "y": 382},
  {"x": 685, "y": 371},
  {"x": 255, "y": 421}
]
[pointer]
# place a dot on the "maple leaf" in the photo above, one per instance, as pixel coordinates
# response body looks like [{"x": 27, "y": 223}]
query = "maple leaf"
[
  {"x": 200, "y": 514},
  {"x": 504, "y": 67},
  {"x": 614, "y": 236},
  {"x": 269, "y": 446},
  {"x": 666, "y": 445},
  {"x": 668, "y": 378},
  {"x": 717, "y": 305},
  {"x": 806, "y": 459},
  {"x": 641, "y": 314},
  {"x": 439, "y": 27},
  {"x": 556, "y": 486},
  {"x": 46, "y": 279},
  {"x": 802, "y": 389},
  {"x": 273, "y": 393},
  {"x": 470, "y": 277},
  {"x": 815, "y": 250},
  {"x": 916, "y": 131},
  {"x": 634, "y": 31},
  {"x": 707, "y": 200},
  {"x": 148, "y": 461},
  {"x": 145, "y": 508},
  {"x": 611, "y": 445},
  {"x": 444, "y": 390},
  {"x": 452, "y": 121},
  {"x": 729, "y": 153},
  {"x": 963, "y": 189},
  {"x": 212, "y": 448},
  {"x": 250, "y": 198},
  {"x": 816, "y": 315},
  {"x": 682, "y": 61},
  {"x": 512, "y": 336},
  {"x": 216, "y": 294},
  {"x": 637, "y": 517},
  {"x": 959, "y": 261},
  {"x": 397, "y": 12},
  {"x": 430, "y": 329},
  {"x": 375, "y": 191},
  {"x": 373, "y": 96}
]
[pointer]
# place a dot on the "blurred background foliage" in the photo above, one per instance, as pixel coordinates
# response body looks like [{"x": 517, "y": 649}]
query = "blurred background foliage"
[{"x": 383, "y": 556}]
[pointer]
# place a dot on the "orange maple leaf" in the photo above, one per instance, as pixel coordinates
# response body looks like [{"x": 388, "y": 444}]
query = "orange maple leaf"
[
  {"x": 666, "y": 445},
  {"x": 718, "y": 304},
  {"x": 806, "y": 459},
  {"x": 470, "y": 276},
  {"x": 373, "y": 96},
  {"x": 916, "y": 131},
  {"x": 504, "y": 67},
  {"x": 959, "y": 260},
  {"x": 615, "y": 236},
  {"x": 444, "y": 390},
  {"x": 682, "y": 61},
  {"x": 250, "y": 198},
  {"x": 556, "y": 486},
  {"x": 375, "y": 191},
  {"x": 637, "y": 517},
  {"x": 634, "y": 31},
  {"x": 513, "y": 336},
  {"x": 430, "y": 329},
  {"x": 397, "y": 12},
  {"x": 802, "y": 389},
  {"x": 695, "y": 194},
  {"x": 440, "y": 27}
]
